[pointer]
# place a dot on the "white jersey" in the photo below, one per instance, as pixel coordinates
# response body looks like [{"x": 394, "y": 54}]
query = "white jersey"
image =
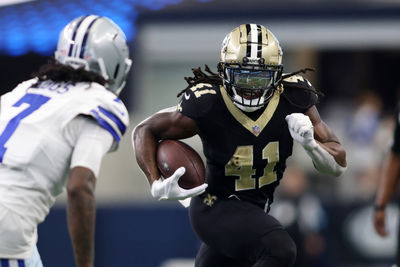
[{"x": 35, "y": 155}]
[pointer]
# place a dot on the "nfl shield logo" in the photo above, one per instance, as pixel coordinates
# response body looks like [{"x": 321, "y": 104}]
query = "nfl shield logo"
[{"x": 256, "y": 129}]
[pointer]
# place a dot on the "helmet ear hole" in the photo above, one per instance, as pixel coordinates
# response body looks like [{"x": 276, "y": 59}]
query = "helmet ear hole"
[{"x": 116, "y": 71}]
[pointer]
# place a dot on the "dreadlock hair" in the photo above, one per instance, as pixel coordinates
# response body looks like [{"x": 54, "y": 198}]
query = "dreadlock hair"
[
  {"x": 319, "y": 93},
  {"x": 58, "y": 72},
  {"x": 201, "y": 77},
  {"x": 213, "y": 78},
  {"x": 302, "y": 71}
]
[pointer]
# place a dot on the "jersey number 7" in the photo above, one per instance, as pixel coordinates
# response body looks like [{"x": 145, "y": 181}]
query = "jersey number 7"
[{"x": 34, "y": 101}]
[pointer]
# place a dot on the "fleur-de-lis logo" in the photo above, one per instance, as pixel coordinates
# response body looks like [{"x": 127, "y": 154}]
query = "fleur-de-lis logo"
[{"x": 209, "y": 200}]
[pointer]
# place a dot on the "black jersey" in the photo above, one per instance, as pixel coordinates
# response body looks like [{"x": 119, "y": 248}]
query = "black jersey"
[{"x": 245, "y": 152}]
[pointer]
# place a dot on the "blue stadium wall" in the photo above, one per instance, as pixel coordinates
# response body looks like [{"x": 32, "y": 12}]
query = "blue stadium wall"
[
  {"x": 148, "y": 235},
  {"x": 131, "y": 236}
]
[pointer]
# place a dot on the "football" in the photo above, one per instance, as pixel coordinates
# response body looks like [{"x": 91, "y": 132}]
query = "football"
[{"x": 172, "y": 154}]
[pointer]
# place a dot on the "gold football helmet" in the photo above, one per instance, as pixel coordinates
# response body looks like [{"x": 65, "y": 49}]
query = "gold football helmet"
[{"x": 250, "y": 65}]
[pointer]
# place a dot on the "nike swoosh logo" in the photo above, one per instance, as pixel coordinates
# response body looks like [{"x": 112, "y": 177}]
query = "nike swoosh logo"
[{"x": 187, "y": 96}]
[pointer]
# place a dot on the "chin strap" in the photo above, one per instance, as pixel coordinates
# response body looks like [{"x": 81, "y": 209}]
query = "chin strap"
[{"x": 201, "y": 77}]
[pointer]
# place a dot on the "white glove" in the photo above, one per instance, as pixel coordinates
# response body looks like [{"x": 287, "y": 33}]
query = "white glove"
[
  {"x": 169, "y": 188},
  {"x": 301, "y": 130}
]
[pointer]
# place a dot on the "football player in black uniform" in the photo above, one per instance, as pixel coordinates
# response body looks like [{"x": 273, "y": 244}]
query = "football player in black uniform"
[
  {"x": 388, "y": 184},
  {"x": 247, "y": 117}
]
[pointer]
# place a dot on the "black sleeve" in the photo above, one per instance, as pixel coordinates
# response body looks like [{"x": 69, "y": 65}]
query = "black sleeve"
[
  {"x": 188, "y": 105},
  {"x": 197, "y": 101},
  {"x": 396, "y": 134}
]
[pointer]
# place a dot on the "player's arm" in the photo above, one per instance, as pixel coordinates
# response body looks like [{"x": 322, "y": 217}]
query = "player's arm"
[
  {"x": 389, "y": 179},
  {"x": 163, "y": 125},
  {"x": 326, "y": 138},
  {"x": 320, "y": 143},
  {"x": 91, "y": 142},
  {"x": 81, "y": 213}
]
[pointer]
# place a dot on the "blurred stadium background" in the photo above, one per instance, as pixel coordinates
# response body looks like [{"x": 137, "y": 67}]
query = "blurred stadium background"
[{"x": 354, "y": 45}]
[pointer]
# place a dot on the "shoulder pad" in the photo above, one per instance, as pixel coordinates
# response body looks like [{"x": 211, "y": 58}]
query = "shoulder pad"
[
  {"x": 111, "y": 114},
  {"x": 25, "y": 85},
  {"x": 201, "y": 89},
  {"x": 197, "y": 100},
  {"x": 10, "y": 97},
  {"x": 299, "y": 92},
  {"x": 298, "y": 81},
  {"x": 199, "y": 92}
]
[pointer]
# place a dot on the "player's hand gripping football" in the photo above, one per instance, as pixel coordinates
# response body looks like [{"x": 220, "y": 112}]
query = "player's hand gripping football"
[
  {"x": 301, "y": 130},
  {"x": 169, "y": 188}
]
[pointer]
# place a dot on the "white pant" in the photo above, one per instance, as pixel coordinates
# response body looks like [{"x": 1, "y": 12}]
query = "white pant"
[
  {"x": 18, "y": 236},
  {"x": 33, "y": 261}
]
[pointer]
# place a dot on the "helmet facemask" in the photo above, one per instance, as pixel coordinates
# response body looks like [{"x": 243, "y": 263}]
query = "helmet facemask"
[
  {"x": 250, "y": 66},
  {"x": 251, "y": 87}
]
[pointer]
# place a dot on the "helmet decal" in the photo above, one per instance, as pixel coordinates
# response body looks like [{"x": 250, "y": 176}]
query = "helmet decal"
[
  {"x": 74, "y": 35},
  {"x": 254, "y": 38},
  {"x": 79, "y": 38},
  {"x": 83, "y": 45}
]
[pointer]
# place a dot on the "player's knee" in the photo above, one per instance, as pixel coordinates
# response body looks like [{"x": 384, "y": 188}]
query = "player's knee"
[{"x": 280, "y": 246}]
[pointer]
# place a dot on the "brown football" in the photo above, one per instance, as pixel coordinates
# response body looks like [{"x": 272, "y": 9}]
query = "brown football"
[{"x": 172, "y": 154}]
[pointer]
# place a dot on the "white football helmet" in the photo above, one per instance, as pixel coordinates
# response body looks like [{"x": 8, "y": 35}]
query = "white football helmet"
[
  {"x": 97, "y": 44},
  {"x": 250, "y": 66}
]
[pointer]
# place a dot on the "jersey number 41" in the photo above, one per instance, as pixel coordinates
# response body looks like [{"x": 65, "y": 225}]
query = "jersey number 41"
[{"x": 241, "y": 165}]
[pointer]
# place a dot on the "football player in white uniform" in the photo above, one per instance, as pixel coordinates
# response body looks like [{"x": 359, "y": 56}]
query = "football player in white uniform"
[{"x": 54, "y": 131}]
